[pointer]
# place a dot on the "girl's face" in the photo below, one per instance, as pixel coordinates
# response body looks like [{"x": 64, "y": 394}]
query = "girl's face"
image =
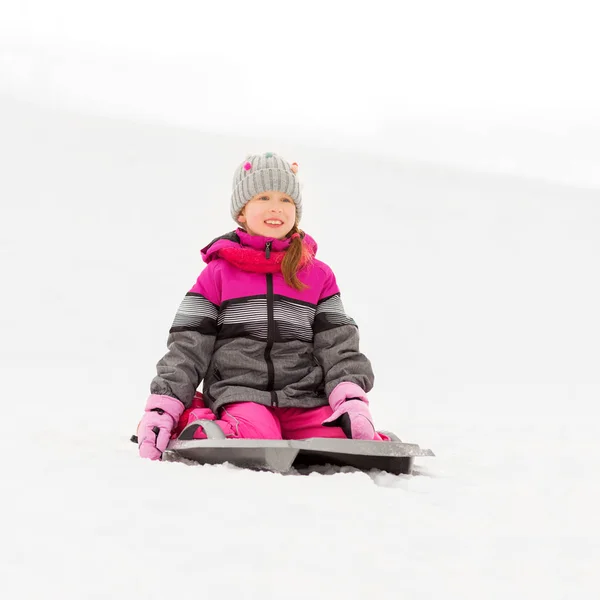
[{"x": 270, "y": 214}]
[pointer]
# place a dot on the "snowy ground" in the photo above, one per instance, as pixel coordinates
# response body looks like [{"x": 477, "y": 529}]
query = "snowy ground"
[{"x": 477, "y": 297}]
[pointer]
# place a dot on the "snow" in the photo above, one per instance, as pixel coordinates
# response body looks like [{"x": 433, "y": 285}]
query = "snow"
[
  {"x": 449, "y": 155},
  {"x": 477, "y": 297}
]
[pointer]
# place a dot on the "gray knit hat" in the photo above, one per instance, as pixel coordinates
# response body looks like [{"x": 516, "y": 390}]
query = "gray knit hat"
[{"x": 263, "y": 172}]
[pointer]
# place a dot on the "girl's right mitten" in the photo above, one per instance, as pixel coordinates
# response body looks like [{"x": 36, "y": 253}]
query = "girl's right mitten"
[{"x": 154, "y": 431}]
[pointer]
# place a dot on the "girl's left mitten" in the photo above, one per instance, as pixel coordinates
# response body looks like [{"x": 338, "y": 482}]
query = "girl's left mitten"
[
  {"x": 350, "y": 407},
  {"x": 154, "y": 431}
]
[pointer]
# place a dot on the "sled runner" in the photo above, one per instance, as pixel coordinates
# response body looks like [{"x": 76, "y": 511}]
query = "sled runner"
[{"x": 281, "y": 456}]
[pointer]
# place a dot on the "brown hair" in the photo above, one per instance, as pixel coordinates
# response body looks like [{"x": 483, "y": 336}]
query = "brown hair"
[{"x": 295, "y": 257}]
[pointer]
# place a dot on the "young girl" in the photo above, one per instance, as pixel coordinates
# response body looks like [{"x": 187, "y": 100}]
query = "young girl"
[{"x": 264, "y": 328}]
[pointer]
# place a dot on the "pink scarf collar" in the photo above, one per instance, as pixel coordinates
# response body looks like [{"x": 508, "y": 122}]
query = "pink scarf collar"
[{"x": 255, "y": 261}]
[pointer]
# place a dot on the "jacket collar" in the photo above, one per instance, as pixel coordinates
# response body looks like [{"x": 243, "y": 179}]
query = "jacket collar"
[
  {"x": 259, "y": 242},
  {"x": 248, "y": 252}
]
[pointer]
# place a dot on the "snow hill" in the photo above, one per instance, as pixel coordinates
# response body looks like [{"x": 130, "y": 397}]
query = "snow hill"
[{"x": 477, "y": 299}]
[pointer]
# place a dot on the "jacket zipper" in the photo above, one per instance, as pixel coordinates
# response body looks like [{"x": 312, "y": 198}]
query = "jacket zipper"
[{"x": 270, "y": 332}]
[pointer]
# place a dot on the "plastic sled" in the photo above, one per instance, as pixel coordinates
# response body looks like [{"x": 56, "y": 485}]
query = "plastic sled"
[{"x": 281, "y": 456}]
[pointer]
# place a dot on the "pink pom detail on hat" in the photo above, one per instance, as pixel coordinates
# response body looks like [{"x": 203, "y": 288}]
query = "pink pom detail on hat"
[{"x": 248, "y": 166}]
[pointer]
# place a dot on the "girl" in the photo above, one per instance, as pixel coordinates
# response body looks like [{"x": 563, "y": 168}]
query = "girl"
[{"x": 264, "y": 328}]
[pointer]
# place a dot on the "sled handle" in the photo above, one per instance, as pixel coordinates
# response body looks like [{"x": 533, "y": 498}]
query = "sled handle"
[{"x": 211, "y": 429}]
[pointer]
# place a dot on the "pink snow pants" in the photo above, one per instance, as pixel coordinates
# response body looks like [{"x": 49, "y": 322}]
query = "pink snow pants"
[{"x": 248, "y": 420}]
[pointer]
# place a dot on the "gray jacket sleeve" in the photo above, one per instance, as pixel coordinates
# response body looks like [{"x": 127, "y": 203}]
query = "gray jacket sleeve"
[
  {"x": 336, "y": 343},
  {"x": 190, "y": 344}
]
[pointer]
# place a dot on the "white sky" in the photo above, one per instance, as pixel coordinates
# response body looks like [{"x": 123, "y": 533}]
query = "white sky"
[{"x": 340, "y": 69}]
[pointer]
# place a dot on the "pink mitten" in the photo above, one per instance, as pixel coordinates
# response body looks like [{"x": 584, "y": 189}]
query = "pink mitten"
[
  {"x": 351, "y": 412},
  {"x": 154, "y": 431}
]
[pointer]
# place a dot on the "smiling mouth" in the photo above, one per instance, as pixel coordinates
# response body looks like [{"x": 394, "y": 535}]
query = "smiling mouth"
[{"x": 273, "y": 222}]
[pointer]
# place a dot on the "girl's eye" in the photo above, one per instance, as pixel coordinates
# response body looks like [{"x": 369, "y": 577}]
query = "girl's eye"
[{"x": 284, "y": 199}]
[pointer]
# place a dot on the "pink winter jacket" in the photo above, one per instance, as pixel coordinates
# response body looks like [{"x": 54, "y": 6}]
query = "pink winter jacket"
[{"x": 250, "y": 337}]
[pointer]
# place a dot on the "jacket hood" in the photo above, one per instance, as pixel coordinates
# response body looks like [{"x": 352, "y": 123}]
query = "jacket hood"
[{"x": 241, "y": 239}]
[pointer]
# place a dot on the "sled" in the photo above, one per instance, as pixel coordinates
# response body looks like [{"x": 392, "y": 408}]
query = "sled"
[{"x": 281, "y": 456}]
